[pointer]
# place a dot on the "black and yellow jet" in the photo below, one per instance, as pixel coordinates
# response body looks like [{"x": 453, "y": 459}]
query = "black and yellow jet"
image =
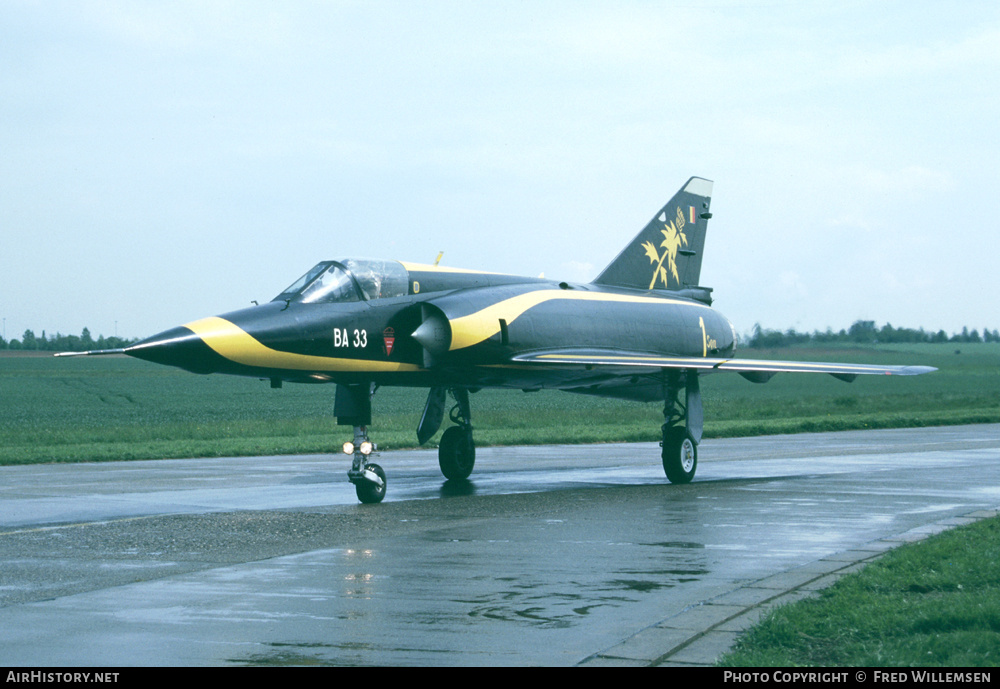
[{"x": 644, "y": 329}]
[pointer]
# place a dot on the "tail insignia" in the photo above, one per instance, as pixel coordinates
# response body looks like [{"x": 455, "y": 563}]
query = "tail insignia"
[{"x": 673, "y": 239}]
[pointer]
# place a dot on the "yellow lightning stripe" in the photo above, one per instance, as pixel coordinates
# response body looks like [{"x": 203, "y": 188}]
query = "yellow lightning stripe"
[
  {"x": 482, "y": 325},
  {"x": 234, "y": 343}
]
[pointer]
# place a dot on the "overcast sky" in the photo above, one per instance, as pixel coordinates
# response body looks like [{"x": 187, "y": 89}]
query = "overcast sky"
[{"x": 161, "y": 162}]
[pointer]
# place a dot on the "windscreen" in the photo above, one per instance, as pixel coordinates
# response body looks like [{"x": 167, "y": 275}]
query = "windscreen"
[
  {"x": 332, "y": 285},
  {"x": 324, "y": 283}
]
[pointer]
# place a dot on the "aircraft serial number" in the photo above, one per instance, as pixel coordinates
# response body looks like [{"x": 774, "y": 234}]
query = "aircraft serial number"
[{"x": 342, "y": 337}]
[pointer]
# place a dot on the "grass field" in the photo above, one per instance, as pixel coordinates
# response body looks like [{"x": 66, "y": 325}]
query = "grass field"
[
  {"x": 935, "y": 603},
  {"x": 92, "y": 409}
]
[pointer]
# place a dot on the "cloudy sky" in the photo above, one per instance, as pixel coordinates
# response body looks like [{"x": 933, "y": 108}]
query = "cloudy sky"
[{"x": 160, "y": 162}]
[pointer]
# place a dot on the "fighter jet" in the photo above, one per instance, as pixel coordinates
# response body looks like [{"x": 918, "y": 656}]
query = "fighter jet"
[{"x": 644, "y": 329}]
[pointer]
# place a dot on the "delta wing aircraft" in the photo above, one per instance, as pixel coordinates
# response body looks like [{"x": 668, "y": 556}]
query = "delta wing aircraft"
[{"x": 643, "y": 330}]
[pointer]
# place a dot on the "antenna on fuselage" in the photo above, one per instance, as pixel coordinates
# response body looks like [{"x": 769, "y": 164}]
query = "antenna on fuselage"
[{"x": 438, "y": 259}]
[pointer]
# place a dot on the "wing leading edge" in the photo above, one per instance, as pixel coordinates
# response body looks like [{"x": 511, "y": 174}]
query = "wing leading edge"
[{"x": 756, "y": 370}]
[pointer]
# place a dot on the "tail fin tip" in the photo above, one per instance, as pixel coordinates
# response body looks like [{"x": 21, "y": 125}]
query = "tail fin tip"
[{"x": 699, "y": 186}]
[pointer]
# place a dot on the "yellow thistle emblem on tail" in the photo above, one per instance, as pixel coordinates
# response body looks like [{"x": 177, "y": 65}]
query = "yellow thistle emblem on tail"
[{"x": 673, "y": 239}]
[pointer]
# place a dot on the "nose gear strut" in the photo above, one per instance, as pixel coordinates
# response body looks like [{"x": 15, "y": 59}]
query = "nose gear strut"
[{"x": 353, "y": 407}]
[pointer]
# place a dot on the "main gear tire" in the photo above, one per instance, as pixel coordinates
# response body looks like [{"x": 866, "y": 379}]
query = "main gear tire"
[
  {"x": 457, "y": 453},
  {"x": 680, "y": 455}
]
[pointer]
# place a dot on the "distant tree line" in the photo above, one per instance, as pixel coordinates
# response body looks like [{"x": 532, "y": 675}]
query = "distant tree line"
[
  {"x": 63, "y": 343},
  {"x": 863, "y": 332}
]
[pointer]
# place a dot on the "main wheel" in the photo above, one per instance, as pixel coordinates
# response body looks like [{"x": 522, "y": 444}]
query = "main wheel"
[
  {"x": 680, "y": 455},
  {"x": 457, "y": 453},
  {"x": 369, "y": 492}
]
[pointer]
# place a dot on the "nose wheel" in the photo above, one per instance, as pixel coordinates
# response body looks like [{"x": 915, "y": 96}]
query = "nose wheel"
[
  {"x": 371, "y": 488},
  {"x": 368, "y": 478}
]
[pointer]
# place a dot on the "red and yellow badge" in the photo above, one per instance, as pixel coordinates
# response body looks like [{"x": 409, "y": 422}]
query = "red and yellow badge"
[{"x": 388, "y": 340}]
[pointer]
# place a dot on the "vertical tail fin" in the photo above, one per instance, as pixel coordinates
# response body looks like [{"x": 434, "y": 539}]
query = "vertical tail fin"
[{"x": 667, "y": 253}]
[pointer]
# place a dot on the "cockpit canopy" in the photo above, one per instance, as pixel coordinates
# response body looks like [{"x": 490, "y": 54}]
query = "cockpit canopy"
[{"x": 349, "y": 280}]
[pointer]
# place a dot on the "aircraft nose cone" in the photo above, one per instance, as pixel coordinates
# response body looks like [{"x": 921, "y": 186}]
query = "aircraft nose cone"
[
  {"x": 179, "y": 347},
  {"x": 434, "y": 335}
]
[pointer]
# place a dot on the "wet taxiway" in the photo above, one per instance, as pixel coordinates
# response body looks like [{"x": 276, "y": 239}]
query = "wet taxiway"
[{"x": 550, "y": 556}]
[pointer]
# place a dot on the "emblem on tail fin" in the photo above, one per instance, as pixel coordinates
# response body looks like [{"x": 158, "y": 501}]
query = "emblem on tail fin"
[{"x": 674, "y": 239}]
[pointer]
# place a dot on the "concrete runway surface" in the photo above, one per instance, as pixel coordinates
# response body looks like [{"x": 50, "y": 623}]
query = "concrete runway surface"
[{"x": 554, "y": 555}]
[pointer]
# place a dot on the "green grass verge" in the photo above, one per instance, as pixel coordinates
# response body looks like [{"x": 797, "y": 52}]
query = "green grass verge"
[
  {"x": 934, "y": 603},
  {"x": 108, "y": 408}
]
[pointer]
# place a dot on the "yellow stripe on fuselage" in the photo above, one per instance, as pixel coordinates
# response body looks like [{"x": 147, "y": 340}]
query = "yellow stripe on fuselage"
[
  {"x": 235, "y": 344},
  {"x": 470, "y": 330}
]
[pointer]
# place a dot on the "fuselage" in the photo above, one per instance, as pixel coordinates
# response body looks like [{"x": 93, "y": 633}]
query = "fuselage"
[{"x": 474, "y": 323}]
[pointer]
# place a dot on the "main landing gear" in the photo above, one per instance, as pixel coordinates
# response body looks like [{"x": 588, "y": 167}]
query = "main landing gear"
[
  {"x": 682, "y": 427},
  {"x": 457, "y": 452}
]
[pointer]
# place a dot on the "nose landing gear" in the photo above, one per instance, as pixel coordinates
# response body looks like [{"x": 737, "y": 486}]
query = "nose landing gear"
[
  {"x": 353, "y": 407},
  {"x": 368, "y": 478}
]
